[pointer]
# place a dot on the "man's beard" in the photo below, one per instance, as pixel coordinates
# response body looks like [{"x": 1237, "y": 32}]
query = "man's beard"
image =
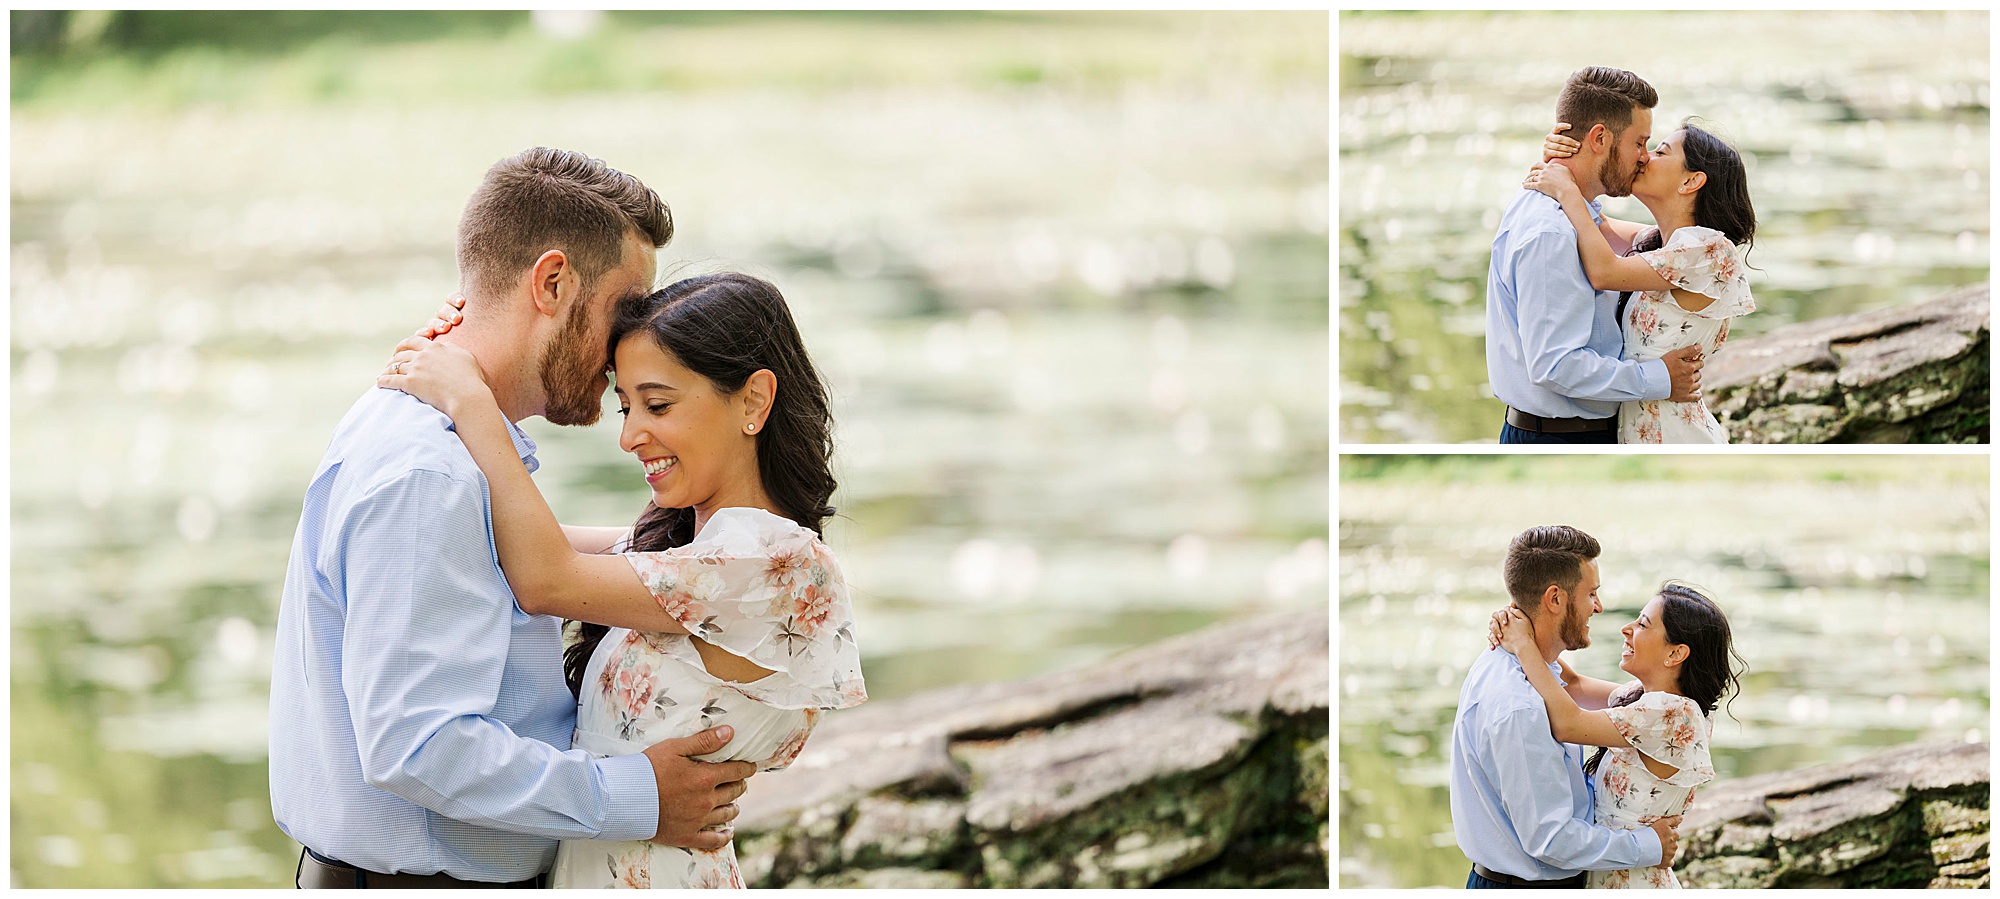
[
  {"x": 570, "y": 366},
  {"x": 1575, "y": 632},
  {"x": 1612, "y": 174}
]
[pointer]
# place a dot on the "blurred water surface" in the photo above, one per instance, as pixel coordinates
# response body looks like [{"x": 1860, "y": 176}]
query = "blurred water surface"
[
  {"x": 1857, "y": 589},
  {"x": 1073, "y": 312},
  {"x": 1865, "y": 135}
]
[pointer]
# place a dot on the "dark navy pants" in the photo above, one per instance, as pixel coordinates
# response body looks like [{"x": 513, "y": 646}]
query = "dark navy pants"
[
  {"x": 1475, "y": 882},
  {"x": 1511, "y": 434}
]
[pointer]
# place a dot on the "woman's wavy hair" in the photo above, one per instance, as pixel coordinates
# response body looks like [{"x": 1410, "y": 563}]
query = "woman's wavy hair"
[
  {"x": 1712, "y": 669},
  {"x": 726, "y": 327}
]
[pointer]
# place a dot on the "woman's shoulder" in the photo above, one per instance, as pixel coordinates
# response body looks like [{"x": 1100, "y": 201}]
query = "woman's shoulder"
[
  {"x": 1674, "y": 705},
  {"x": 1671, "y": 729},
  {"x": 1701, "y": 260},
  {"x": 1699, "y": 236},
  {"x": 747, "y": 531}
]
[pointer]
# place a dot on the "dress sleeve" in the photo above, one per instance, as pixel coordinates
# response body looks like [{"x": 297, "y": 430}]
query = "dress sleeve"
[
  {"x": 1702, "y": 260},
  {"x": 763, "y": 588},
  {"x": 1669, "y": 729}
]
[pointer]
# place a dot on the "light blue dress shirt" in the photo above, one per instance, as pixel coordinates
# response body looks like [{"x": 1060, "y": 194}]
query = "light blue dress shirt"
[
  {"x": 1519, "y": 801},
  {"x": 1553, "y": 346},
  {"x": 419, "y": 719}
]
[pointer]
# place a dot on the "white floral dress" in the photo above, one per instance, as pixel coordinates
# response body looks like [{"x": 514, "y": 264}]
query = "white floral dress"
[
  {"x": 1701, "y": 260},
  {"x": 1670, "y": 729},
  {"x": 760, "y": 587}
]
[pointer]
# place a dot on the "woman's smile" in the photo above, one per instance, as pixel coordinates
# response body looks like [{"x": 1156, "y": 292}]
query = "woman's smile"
[{"x": 657, "y": 469}]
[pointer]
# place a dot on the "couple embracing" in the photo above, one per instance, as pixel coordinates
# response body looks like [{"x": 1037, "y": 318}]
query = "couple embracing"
[
  {"x": 1530, "y": 805},
  {"x": 428, "y": 726},
  {"x": 1596, "y": 328}
]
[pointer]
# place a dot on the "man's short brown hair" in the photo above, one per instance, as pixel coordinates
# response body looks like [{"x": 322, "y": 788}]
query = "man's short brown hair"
[
  {"x": 1601, "y": 95},
  {"x": 544, "y": 199},
  {"x": 1552, "y": 554}
]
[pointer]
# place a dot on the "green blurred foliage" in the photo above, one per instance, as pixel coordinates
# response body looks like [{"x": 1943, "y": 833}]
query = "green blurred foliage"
[
  {"x": 77, "y": 33},
  {"x": 172, "y": 59},
  {"x": 61, "y": 32}
]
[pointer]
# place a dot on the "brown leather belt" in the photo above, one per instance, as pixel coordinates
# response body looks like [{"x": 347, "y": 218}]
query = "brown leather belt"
[
  {"x": 318, "y": 872},
  {"x": 1512, "y": 881},
  {"x": 1540, "y": 425}
]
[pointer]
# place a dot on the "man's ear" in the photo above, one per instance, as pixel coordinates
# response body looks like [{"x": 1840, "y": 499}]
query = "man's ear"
[
  {"x": 1552, "y": 600},
  {"x": 1598, "y": 140},
  {"x": 552, "y": 282}
]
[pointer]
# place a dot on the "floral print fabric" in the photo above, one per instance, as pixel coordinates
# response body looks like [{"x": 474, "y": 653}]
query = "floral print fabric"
[
  {"x": 747, "y": 581},
  {"x": 1669, "y": 729},
  {"x": 1701, "y": 260}
]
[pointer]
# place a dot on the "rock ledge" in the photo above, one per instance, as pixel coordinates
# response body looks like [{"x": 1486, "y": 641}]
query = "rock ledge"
[
  {"x": 1199, "y": 761},
  {"x": 1910, "y": 817},
  {"x": 1914, "y": 375}
]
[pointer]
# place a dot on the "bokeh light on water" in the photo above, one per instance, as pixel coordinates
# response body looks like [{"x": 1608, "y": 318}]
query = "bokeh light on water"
[
  {"x": 1067, "y": 280},
  {"x": 1865, "y": 137},
  {"x": 1857, "y": 589}
]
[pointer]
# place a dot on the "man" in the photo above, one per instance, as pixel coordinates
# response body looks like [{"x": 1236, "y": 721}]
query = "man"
[
  {"x": 420, "y": 724},
  {"x": 1520, "y": 805},
  {"x": 1553, "y": 347}
]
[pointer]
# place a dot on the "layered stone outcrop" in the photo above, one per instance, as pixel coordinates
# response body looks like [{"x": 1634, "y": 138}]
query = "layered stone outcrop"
[
  {"x": 1199, "y": 761},
  {"x": 1920, "y": 374},
  {"x": 1916, "y": 816}
]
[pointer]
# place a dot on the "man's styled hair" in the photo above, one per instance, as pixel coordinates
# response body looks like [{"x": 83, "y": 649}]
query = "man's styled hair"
[
  {"x": 544, "y": 199},
  {"x": 1551, "y": 554},
  {"x": 1601, "y": 95}
]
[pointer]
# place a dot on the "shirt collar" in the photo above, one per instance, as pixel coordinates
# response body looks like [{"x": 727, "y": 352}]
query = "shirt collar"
[
  {"x": 1596, "y": 208},
  {"x": 523, "y": 444},
  {"x": 1554, "y": 668}
]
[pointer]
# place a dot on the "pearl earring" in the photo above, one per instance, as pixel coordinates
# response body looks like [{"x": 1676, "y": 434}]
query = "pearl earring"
[{"x": 750, "y": 429}]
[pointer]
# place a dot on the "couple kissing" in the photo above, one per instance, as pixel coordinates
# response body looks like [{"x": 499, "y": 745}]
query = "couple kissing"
[{"x": 1596, "y": 328}]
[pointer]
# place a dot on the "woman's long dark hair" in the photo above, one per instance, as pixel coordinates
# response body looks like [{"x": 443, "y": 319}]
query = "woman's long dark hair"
[
  {"x": 1723, "y": 203},
  {"x": 725, "y": 328},
  {"x": 1708, "y": 673}
]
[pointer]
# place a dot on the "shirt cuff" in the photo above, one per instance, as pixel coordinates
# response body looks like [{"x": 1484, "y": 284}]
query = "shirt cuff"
[
  {"x": 1649, "y": 843},
  {"x": 633, "y": 812},
  {"x": 1653, "y": 373}
]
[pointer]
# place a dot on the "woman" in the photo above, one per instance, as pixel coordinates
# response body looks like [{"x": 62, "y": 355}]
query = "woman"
[
  {"x": 1685, "y": 271},
  {"x": 729, "y": 423},
  {"x": 1656, "y": 727}
]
